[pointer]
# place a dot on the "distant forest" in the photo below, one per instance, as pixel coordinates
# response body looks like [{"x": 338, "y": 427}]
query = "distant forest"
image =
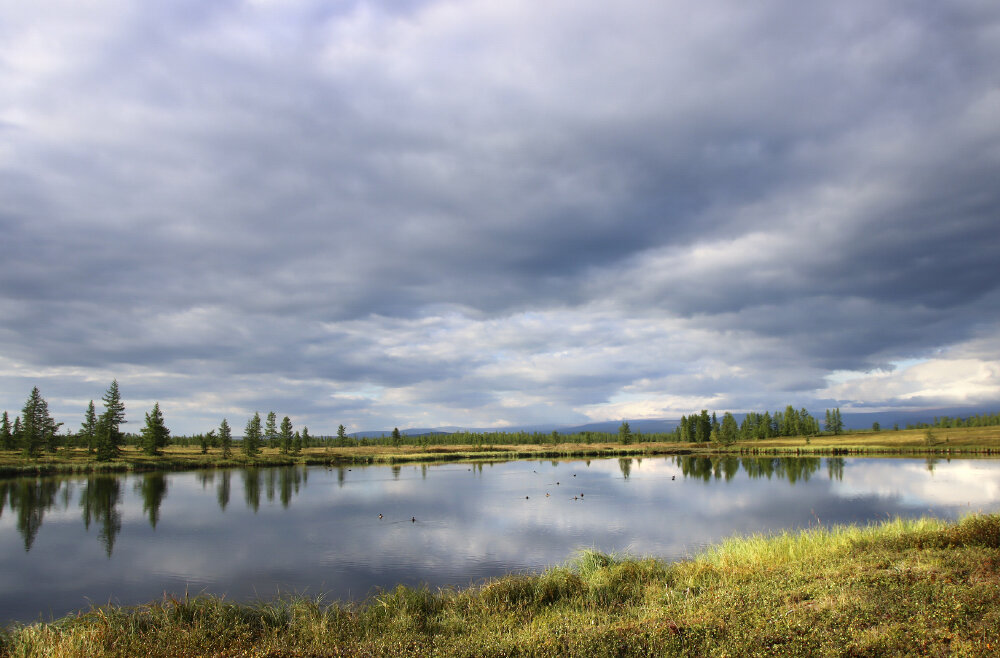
[{"x": 34, "y": 431}]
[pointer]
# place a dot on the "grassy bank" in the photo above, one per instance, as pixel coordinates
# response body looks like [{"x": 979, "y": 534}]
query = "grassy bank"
[
  {"x": 902, "y": 588},
  {"x": 969, "y": 441}
]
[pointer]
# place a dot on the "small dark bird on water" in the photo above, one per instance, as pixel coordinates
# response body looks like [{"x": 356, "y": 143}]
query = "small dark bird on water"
[
  {"x": 380, "y": 516},
  {"x": 673, "y": 477},
  {"x": 413, "y": 519}
]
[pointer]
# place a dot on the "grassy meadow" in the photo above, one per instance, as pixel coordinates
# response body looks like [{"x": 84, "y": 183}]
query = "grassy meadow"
[{"x": 920, "y": 587}]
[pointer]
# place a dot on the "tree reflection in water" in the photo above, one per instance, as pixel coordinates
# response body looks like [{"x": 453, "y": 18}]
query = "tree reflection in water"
[
  {"x": 99, "y": 502},
  {"x": 101, "y": 496},
  {"x": 153, "y": 489}
]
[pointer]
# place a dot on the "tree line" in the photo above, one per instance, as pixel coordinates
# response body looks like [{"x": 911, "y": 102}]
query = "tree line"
[
  {"x": 35, "y": 431},
  {"x": 946, "y": 422}
]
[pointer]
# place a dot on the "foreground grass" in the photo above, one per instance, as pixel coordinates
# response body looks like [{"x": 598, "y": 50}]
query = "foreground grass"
[
  {"x": 966, "y": 441},
  {"x": 902, "y": 588}
]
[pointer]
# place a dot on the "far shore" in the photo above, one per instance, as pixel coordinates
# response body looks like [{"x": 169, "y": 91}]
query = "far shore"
[{"x": 956, "y": 442}]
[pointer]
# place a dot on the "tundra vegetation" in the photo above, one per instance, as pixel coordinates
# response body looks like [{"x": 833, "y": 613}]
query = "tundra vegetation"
[{"x": 917, "y": 587}]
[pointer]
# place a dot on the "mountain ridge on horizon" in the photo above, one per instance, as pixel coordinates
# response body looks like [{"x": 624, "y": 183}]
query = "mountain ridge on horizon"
[{"x": 853, "y": 420}]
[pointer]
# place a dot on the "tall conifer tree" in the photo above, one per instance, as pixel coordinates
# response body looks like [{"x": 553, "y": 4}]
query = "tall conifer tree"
[
  {"x": 271, "y": 430},
  {"x": 88, "y": 428},
  {"x": 703, "y": 430},
  {"x": 38, "y": 429},
  {"x": 624, "y": 433},
  {"x": 6, "y": 435},
  {"x": 286, "y": 434},
  {"x": 728, "y": 431},
  {"x": 251, "y": 436},
  {"x": 226, "y": 439},
  {"x": 16, "y": 431},
  {"x": 155, "y": 434},
  {"x": 109, "y": 437}
]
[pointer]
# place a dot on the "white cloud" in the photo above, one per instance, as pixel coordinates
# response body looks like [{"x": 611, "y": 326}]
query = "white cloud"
[{"x": 933, "y": 382}]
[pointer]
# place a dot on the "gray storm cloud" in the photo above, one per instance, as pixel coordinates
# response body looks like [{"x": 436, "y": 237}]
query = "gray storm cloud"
[{"x": 497, "y": 212}]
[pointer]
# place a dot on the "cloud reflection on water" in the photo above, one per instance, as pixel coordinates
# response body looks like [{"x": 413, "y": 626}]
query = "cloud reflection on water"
[{"x": 318, "y": 530}]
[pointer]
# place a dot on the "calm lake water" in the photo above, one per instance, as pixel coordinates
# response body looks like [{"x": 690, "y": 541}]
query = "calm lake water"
[{"x": 68, "y": 542}]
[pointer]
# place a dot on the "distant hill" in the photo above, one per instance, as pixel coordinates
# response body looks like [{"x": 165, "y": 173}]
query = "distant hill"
[
  {"x": 855, "y": 420},
  {"x": 645, "y": 425}
]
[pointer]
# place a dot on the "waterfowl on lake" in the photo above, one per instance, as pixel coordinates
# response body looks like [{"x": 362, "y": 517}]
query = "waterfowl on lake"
[
  {"x": 380, "y": 516},
  {"x": 413, "y": 519}
]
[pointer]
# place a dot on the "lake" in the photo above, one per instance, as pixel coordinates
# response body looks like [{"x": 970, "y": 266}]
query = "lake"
[{"x": 68, "y": 542}]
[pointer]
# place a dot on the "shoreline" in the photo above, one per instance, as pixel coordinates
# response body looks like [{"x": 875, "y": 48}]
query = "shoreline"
[
  {"x": 959, "y": 442},
  {"x": 920, "y": 586}
]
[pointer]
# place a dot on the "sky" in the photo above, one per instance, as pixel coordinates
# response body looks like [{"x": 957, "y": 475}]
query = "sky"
[{"x": 492, "y": 213}]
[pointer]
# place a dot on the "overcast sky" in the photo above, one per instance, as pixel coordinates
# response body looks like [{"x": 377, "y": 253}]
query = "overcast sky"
[{"x": 498, "y": 212}]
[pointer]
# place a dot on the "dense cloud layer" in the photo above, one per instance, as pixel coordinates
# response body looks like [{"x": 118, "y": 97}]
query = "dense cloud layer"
[{"x": 493, "y": 212}]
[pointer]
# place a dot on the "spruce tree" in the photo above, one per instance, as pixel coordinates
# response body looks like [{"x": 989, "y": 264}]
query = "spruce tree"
[
  {"x": 155, "y": 434},
  {"x": 341, "y": 432},
  {"x": 251, "y": 436},
  {"x": 624, "y": 433},
  {"x": 728, "y": 431},
  {"x": 6, "y": 435},
  {"x": 703, "y": 429},
  {"x": 286, "y": 435},
  {"x": 88, "y": 428},
  {"x": 271, "y": 430},
  {"x": 301, "y": 441},
  {"x": 38, "y": 429},
  {"x": 226, "y": 439},
  {"x": 790, "y": 422},
  {"x": 16, "y": 432},
  {"x": 764, "y": 429},
  {"x": 109, "y": 437}
]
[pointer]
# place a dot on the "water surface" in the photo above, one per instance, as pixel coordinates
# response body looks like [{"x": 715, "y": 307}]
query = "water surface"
[{"x": 67, "y": 542}]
